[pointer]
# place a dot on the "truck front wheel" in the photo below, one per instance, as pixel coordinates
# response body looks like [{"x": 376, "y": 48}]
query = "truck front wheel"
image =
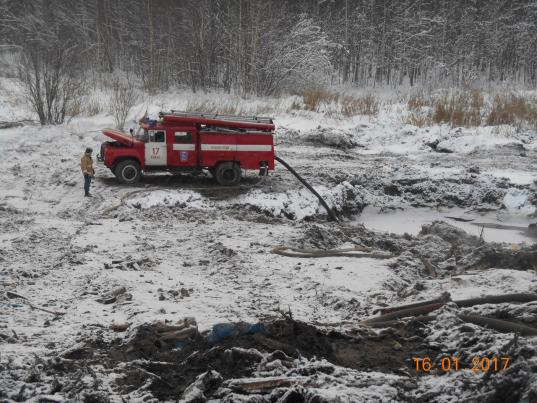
[
  {"x": 128, "y": 171},
  {"x": 228, "y": 174}
]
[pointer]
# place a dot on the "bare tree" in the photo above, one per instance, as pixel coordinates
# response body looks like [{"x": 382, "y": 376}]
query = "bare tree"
[
  {"x": 51, "y": 86},
  {"x": 260, "y": 46},
  {"x": 300, "y": 59},
  {"x": 123, "y": 98}
]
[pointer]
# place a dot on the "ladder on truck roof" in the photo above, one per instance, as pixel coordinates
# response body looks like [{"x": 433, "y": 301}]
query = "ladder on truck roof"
[
  {"x": 215, "y": 119},
  {"x": 217, "y": 116}
]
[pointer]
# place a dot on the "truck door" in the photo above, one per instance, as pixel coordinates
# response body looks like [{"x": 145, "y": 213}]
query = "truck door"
[
  {"x": 182, "y": 147},
  {"x": 155, "y": 148}
]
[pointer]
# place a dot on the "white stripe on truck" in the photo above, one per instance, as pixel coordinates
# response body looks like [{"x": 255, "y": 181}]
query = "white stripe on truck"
[
  {"x": 184, "y": 147},
  {"x": 236, "y": 147},
  {"x": 254, "y": 147}
]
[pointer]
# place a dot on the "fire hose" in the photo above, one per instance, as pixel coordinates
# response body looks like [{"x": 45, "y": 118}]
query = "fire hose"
[
  {"x": 357, "y": 251},
  {"x": 331, "y": 214}
]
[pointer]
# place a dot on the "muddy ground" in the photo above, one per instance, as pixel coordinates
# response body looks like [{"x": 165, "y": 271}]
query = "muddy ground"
[{"x": 88, "y": 283}]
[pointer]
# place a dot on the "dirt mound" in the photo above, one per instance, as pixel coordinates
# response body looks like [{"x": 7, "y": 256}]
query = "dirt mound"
[
  {"x": 321, "y": 136},
  {"x": 450, "y": 233},
  {"x": 471, "y": 252},
  {"x": 329, "y": 137},
  {"x": 282, "y": 348},
  {"x": 319, "y": 236},
  {"x": 280, "y": 360}
]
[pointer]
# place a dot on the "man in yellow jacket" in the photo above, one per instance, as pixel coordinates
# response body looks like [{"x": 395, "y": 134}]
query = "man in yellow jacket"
[{"x": 86, "y": 164}]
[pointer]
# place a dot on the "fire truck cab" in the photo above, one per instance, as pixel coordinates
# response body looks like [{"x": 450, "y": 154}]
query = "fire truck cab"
[{"x": 180, "y": 142}]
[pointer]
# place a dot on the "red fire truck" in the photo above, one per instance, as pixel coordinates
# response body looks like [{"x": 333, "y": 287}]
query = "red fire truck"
[{"x": 180, "y": 142}]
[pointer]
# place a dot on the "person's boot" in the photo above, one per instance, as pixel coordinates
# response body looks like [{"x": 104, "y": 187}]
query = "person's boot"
[{"x": 87, "y": 195}]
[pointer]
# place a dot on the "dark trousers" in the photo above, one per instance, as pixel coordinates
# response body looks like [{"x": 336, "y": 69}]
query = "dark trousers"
[{"x": 87, "y": 183}]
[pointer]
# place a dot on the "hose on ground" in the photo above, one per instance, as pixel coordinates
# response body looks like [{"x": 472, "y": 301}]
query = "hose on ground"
[
  {"x": 404, "y": 310},
  {"x": 330, "y": 212},
  {"x": 316, "y": 253},
  {"x": 491, "y": 323}
]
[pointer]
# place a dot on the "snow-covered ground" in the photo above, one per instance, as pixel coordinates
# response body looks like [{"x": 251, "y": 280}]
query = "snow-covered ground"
[{"x": 174, "y": 247}]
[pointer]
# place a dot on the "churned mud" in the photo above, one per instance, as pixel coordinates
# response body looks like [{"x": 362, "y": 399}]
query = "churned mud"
[{"x": 117, "y": 298}]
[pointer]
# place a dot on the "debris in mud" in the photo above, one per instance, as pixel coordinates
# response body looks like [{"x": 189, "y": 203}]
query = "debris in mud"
[
  {"x": 221, "y": 251},
  {"x": 19, "y": 123},
  {"x": 270, "y": 360},
  {"x": 390, "y": 316},
  {"x": 205, "y": 385},
  {"x": 275, "y": 360},
  {"x": 471, "y": 252},
  {"x": 129, "y": 263},
  {"x": 356, "y": 252},
  {"x": 322, "y": 237},
  {"x": 114, "y": 295}
]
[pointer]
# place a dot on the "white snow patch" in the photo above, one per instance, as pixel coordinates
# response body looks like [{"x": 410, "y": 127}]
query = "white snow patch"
[
  {"x": 517, "y": 200},
  {"x": 469, "y": 143},
  {"x": 155, "y": 198},
  {"x": 514, "y": 176},
  {"x": 491, "y": 282}
]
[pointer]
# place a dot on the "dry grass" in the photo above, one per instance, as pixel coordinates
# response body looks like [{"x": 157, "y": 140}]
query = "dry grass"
[
  {"x": 418, "y": 118},
  {"x": 419, "y": 107},
  {"x": 235, "y": 107},
  {"x": 93, "y": 107},
  {"x": 418, "y": 101},
  {"x": 75, "y": 109},
  {"x": 336, "y": 105},
  {"x": 512, "y": 109},
  {"x": 265, "y": 109},
  {"x": 203, "y": 106},
  {"x": 460, "y": 108},
  {"x": 367, "y": 105},
  {"x": 456, "y": 108},
  {"x": 231, "y": 108},
  {"x": 468, "y": 108},
  {"x": 314, "y": 99}
]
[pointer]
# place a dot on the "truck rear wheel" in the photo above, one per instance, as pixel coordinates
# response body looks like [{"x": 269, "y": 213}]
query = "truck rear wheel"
[
  {"x": 228, "y": 174},
  {"x": 128, "y": 171}
]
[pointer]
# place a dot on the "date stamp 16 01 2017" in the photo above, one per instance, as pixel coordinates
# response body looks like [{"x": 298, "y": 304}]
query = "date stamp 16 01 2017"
[{"x": 447, "y": 364}]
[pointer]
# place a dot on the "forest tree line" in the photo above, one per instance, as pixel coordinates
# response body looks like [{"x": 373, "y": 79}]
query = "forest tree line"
[{"x": 269, "y": 46}]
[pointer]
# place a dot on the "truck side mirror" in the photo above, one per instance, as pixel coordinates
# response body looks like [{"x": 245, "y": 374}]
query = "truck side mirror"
[{"x": 132, "y": 131}]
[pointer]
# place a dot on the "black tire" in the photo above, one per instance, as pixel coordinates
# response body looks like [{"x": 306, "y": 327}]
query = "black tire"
[
  {"x": 228, "y": 174},
  {"x": 128, "y": 171}
]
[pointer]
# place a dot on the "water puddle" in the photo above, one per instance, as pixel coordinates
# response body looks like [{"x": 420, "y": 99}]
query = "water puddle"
[{"x": 494, "y": 226}]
